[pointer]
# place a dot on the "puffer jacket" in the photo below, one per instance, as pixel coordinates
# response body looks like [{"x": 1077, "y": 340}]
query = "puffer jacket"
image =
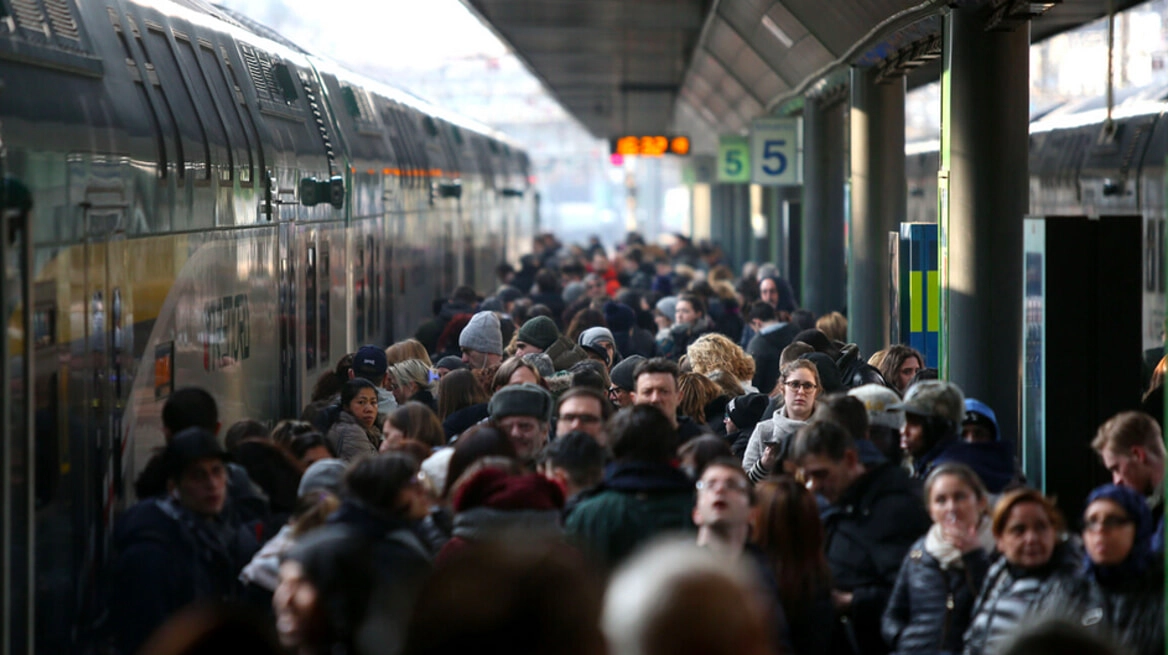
[
  {"x": 854, "y": 371},
  {"x": 867, "y": 533},
  {"x": 683, "y": 334},
  {"x": 930, "y": 606},
  {"x": 1008, "y": 593},
  {"x": 350, "y": 440},
  {"x": 1129, "y": 611},
  {"x": 564, "y": 354}
]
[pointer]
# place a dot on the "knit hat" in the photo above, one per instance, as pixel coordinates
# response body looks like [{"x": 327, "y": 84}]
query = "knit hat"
[
  {"x": 593, "y": 338},
  {"x": 450, "y": 363},
  {"x": 934, "y": 398},
  {"x": 622, "y": 374},
  {"x": 746, "y": 411},
  {"x": 829, "y": 375},
  {"x": 540, "y": 332},
  {"x": 521, "y": 400},
  {"x": 483, "y": 334},
  {"x": 979, "y": 413},
  {"x": 572, "y": 292},
  {"x": 619, "y": 316},
  {"x": 542, "y": 363},
  {"x": 323, "y": 474},
  {"x": 189, "y": 446},
  {"x": 668, "y": 307},
  {"x": 816, "y": 339},
  {"x": 877, "y": 399},
  {"x": 491, "y": 304},
  {"x": 370, "y": 363},
  {"x": 437, "y": 466},
  {"x": 508, "y": 293}
]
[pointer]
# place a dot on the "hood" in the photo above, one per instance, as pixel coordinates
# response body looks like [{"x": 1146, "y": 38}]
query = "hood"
[
  {"x": 450, "y": 309},
  {"x": 564, "y": 354},
  {"x": 885, "y": 479},
  {"x": 645, "y": 477},
  {"x": 498, "y": 489}
]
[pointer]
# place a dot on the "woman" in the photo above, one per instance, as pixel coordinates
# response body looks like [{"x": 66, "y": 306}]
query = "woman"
[
  {"x": 899, "y": 366},
  {"x": 408, "y": 349},
  {"x": 310, "y": 447},
  {"x": 771, "y": 439},
  {"x": 517, "y": 370},
  {"x": 1120, "y": 593},
  {"x": 262, "y": 575},
  {"x": 703, "y": 401},
  {"x": 412, "y": 421},
  {"x": 690, "y": 323},
  {"x": 353, "y": 435},
  {"x": 1029, "y": 533},
  {"x": 787, "y": 530},
  {"x": 462, "y": 402},
  {"x": 933, "y": 598},
  {"x": 276, "y": 470},
  {"x": 715, "y": 352},
  {"x": 834, "y": 325},
  {"x": 410, "y": 381}
]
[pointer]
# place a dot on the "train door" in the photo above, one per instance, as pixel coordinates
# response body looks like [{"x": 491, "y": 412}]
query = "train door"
[
  {"x": 289, "y": 362},
  {"x": 16, "y": 419}
]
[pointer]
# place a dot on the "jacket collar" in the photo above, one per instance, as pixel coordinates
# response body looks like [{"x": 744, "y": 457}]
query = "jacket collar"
[{"x": 635, "y": 477}]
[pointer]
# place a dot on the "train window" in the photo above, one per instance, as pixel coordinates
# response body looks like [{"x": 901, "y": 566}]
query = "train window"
[
  {"x": 237, "y": 136},
  {"x": 350, "y": 98},
  {"x": 246, "y": 117},
  {"x": 283, "y": 77},
  {"x": 457, "y": 134},
  {"x": 325, "y": 290},
  {"x": 178, "y": 101},
  {"x": 430, "y": 125},
  {"x": 147, "y": 101},
  {"x": 216, "y": 128},
  {"x": 310, "y": 309}
]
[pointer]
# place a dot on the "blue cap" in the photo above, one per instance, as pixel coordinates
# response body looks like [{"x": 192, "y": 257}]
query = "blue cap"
[
  {"x": 978, "y": 412},
  {"x": 370, "y": 363}
]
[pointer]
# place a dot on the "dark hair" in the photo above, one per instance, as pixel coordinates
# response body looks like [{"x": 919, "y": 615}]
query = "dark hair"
[
  {"x": 590, "y": 373},
  {"x": 243, "y": 429},
  {"x": 352, "y": 388},
  {"x": 302, "y": 442},
  {"x": 476, "y": 443},
  {"x": 584, "y": 319},
  {"x": 894, "y": 358},
  {"x": 274, "y": 469},
  {"x": 845, "y": 410},
  {"x": 418, "y": 422},
  {"x": 656, "y": 365},
  {"x": 803, "y": 318},
  {"x": 822, "y": 439},
  {"x": 329, "y": 383},
  {"x": 606, "y": 408},
  {"x": 540, "y": 309},
  {"x": 580, "y": 455},
  {"x": 1056, "y": 637},
  {"x": 926, "y": 373},
  {"x": 546, "y": 281},
  {"x": 642, "y": 433},
  {"x": 787, "y": 529},
  {"x": 707, "y": 450},
  {"x": 520, "y": 310},
  {"x": 509, "y": 367},
  {"x": 695, "y": 301},
  {"x": 457, "y": 390},
  {"x": 464, "y": 294},
  {"x": 190, "y": 407},
  {"x": 378, "y": 480},
  {"x": 761, "y": 311},
  {"x": 287, "y": 429},
  {"x": 411, "y": 447}
]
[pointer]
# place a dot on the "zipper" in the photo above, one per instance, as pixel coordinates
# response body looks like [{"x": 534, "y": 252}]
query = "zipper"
[{"x": 950, "y": 603}]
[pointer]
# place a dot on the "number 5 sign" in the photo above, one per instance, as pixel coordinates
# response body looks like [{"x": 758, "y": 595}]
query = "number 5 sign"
[
  {"x": 733, "y": 159},
  {"x": 777, "y": 146}
]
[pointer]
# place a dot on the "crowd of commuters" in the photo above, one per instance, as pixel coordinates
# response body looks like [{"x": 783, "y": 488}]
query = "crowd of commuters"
[{"x": 642, "y": 455}]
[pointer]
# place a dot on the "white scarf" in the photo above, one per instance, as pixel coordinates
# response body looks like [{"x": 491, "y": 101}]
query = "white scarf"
[{"x": 948, "y": 554}]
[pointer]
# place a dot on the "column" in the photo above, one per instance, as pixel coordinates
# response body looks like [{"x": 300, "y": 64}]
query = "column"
[{"x": 823, "y": 280}]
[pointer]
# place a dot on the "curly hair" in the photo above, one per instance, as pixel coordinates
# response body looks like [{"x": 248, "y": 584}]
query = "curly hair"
[
  {"x": 696, "y": 391},
  {"x": 713, "y": 351}
]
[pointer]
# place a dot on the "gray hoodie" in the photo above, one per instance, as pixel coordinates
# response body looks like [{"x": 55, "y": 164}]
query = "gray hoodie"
[{"x": 775, "y": 429}]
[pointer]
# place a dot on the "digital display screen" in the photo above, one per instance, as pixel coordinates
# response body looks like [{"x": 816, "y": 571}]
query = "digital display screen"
[{"x": 650, "y": 146}]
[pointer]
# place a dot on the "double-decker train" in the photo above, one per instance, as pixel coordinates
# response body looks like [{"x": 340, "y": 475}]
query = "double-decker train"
[{"x": 191, "y": 200}]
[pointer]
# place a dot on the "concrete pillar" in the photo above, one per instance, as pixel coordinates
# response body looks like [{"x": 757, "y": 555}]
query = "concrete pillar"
[
  {"x": 877, "y": 205},
  {"x": 984, "y": 151},
  {"x": 823, "y": 280}
]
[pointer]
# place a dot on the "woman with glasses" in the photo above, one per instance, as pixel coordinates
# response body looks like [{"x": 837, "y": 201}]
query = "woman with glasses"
[
  {"x": 1120, "y": 593},
  {"x": 771, "y": 439},
  {"x": 1030, "y": 534}
]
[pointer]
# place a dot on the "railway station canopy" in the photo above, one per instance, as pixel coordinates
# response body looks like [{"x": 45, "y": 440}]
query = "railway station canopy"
[{"x": 709, "y": 66}]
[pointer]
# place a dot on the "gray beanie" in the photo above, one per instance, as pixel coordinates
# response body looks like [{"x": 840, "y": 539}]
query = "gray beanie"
[
  {"x": 573, "y": 291},
  {"x": 483, "y": 334},
  {"x": 323, "y": 474},
  {"x": 522, "y": 400},
  {"x": 668, "y": 307}
]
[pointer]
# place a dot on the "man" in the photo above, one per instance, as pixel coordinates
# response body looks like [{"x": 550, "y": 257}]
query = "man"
[
  {"x": 599, "y": 344},
  {"x": 461, "y": 301},
  {"x": 642, "y": 494},
  {"x": 1131, "y": 446},
  {"x": 623, "y": 383},
  {"x": 884, "y": 424},
  {"x": 722, "y": 511},
  {"x": 576, "y": 461},
  {"x": 874, "y": 516},
  {"x": 522, "y": 412},
  {"x": 176, "y": 549},
  {"x": 772, "y": 335},
  {"x": 768, "y": 291},
  {"x": 540, "y": 335},
  {"x": 481, "y": 341},
  {"x": 655, "y": 383},
  {"x": 583, "y": 409},
  {"x": 370, "y": 363}
]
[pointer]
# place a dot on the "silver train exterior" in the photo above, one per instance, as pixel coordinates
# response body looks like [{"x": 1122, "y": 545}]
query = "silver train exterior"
[
  {"x": 1076, "y": 171},
  {"x": 191, "y": 200}
]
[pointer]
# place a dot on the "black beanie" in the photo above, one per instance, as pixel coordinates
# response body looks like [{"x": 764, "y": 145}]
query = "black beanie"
[
  {"x": 829, "y": 375},
  {"x": 746, "y": 411}
]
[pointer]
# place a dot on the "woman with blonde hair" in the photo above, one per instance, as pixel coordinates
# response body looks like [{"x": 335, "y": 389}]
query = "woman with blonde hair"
[
  {"x": 411, "y": 381},
  {"x": 834, "y": 325},
  {"x": 715, "y": 352},
  {"x": 408, "y": 349},
  {"x": 697, "y": 392}
]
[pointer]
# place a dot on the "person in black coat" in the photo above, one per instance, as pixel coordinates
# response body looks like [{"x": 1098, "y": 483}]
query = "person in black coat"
[
  {"x": 1121, "y": 592},
  {"x": 931, "y": 603},
  {"x": 766, "y": 347},
  {"x": 874, "y": 514}
]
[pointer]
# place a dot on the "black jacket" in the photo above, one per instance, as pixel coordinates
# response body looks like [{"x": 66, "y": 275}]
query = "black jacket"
[
  {"x": 166, "y": 558},
  {"x": 1008, "y": 593},
  {"x": 854, "y": 370},
  {"x": 930, "y": 606},
  {"x": 766, "y": 349},
  {"x": 461, "y": 420},
  {"x": 683, "y": 334},
  {"x": 429, "y": 332},
  {"x": 868, "y": 531},
  {"x": 1129, "y": 611}
]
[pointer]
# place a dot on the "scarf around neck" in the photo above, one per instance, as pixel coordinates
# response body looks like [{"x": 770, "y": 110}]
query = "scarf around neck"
[{"x": 948, "y": 554}]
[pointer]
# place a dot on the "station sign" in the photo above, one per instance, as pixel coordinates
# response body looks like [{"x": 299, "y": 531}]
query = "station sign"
[
  {"x": 654, "y": 145},
  {"x": 733, "y": 159},
  {"x": 777, "y": 148}
]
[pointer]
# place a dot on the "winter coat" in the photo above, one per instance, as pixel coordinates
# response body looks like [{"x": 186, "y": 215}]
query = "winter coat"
[
  {"x": 350, "y": 440},
  {"x": 495, "y": 504},
  {"x": 429, "y": 332},
  {"x": 426, "y": 398},
  {"x": 778, "y": 429},
  {"x": 635, "y": 502},
  {"x": 247, "y": 504},
  {"x": 766, "y": 348},
  {"x": 637, "y": 341},
  {"x": 1129, "y": 610},
  {"x": 867, "y": 533},
  {"x": 1008, "y": 594},
  {"x": 564, "y": 354},
  {"x": 167, "y": 558},
  {"x": 683, "y": 334},
  {"x": 263, "y": 570},
  {"x": 462, "y": 420},
  {"x": 854, "y": 370},
  {"x": 930, "y": 606}
]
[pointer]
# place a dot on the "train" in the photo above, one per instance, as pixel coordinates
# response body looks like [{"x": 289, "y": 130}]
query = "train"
[{"x": 189, "y": 199}]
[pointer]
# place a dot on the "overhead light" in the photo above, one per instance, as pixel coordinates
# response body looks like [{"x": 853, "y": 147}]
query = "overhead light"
[{"x": 777, "y": 31}]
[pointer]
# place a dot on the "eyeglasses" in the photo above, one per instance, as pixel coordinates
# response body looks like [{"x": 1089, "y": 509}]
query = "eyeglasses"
[
  {"x": 796, "y": 385},
  {"x": 614, "y": 391},
  {"x": 1106, "y": 523},
  {"x": 733, "y": 485}
]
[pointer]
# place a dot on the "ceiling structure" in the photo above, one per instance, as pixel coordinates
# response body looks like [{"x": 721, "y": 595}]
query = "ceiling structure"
[{"x": 712, "y": 66}]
